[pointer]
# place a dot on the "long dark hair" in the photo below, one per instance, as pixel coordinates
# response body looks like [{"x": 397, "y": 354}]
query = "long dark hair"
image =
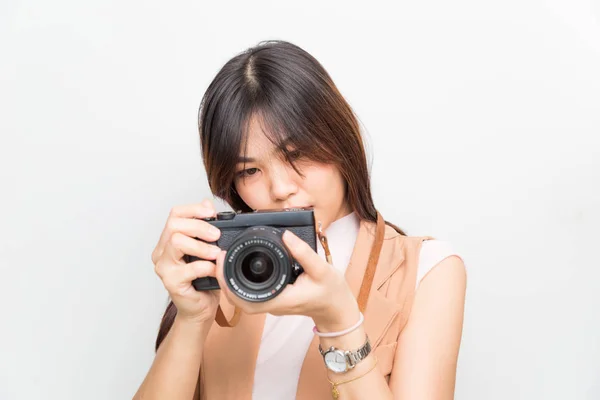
[{"x": 300, "y": 107}]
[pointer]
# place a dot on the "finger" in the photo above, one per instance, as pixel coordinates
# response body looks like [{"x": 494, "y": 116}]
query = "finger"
[
  {"x": 168, "y": 274},
  {"x": 160, "y": 269},
  {"x": 209, "y": 204},
  {"x": 194, "y": 228},
  {"x": 178, "y": 278},
  {"x": 197, "y": 269},
  {"x": 174, "y": 224},
  {"x": 196, "y": 210},
  {"x": 310, "y": 261},
  {"x": 181, "y": 244},
  {"x": 293, "y": 297}
]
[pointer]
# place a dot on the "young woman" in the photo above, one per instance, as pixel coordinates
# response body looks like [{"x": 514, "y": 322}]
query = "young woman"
[{"x": 276, "y": 133}]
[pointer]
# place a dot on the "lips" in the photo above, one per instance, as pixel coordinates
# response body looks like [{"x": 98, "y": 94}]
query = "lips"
[{"x": 305, "y": 206}]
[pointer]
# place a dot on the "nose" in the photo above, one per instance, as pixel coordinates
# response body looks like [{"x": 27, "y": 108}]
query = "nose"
[{"x": 283, "y": 184}]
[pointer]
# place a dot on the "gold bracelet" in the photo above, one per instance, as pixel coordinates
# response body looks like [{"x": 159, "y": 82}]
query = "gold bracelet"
[{"x": 335, "y": 392}]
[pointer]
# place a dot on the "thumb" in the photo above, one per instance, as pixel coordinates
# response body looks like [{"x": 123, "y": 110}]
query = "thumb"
[{"x": 310, "y": 261}]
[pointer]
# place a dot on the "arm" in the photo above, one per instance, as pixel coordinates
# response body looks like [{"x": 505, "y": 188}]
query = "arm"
[
  {"x": 174, "y": 372},
  {"x": 427, "y": 352}
]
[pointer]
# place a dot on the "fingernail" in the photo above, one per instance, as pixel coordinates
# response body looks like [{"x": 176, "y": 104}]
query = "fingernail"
[
  {"x": 214, "y": 251},
  {"x": 207, "y": 211},
  {"x": 214, "y": 231}
]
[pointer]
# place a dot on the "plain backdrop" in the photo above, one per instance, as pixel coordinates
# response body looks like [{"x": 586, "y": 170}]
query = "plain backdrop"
[{"x": 483, "y": 124}]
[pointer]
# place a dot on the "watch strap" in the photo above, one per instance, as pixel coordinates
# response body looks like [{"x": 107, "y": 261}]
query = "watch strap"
[
  {"x": 353, "y": 357},
  {"x": 356, "y": 356}
]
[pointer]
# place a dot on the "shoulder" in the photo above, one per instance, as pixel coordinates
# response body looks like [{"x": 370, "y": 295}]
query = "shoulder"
[
  {"x": 414, "y": 257},
  {"x": 425, "y": 250},
  {"x": 441, "y": 284},
  {"x": 434, "y": 253},
  {"x": 441, "y": 272},
  {"x": 424, "y": 254}
]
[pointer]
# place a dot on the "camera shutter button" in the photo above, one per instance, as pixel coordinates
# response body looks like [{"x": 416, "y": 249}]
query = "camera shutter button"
[{"x": 225, "y": 215}]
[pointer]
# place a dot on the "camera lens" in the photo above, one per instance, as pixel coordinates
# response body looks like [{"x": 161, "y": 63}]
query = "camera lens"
[{"x": 257, "y": 267}]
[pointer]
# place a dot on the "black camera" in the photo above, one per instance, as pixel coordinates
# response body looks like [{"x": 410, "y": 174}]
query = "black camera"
[{"x": 258, "y": 266}]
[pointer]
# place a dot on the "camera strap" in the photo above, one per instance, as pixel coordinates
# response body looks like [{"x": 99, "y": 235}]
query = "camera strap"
[
  {"x": 222, "y": 319},
  {"x": 324, "y": 243},
  {"x": 365, "y": 287},
  {"x": 367, "y": 281}
]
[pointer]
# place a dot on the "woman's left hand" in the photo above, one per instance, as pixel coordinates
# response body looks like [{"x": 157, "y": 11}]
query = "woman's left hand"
[{"x": 321, "y": 292}]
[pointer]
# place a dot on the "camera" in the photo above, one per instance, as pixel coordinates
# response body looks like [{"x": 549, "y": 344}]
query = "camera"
[{"x": 258, "y": 265}]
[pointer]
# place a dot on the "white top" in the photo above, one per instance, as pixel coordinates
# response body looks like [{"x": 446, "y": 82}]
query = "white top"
[{"x": 286, "y": 339}]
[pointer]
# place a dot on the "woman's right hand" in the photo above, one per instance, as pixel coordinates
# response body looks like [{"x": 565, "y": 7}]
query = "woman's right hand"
[{"x": 177, "y": 239}]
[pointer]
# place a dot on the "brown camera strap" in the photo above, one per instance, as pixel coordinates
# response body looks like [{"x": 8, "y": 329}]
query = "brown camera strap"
[
  {"x": 367, "y": 281},
  {"x": 365, "y": 287},
  {"x": 222, "y": 319}
]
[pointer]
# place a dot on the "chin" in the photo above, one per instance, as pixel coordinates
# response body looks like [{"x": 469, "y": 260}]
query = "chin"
[{"x": 323, "y": 218}]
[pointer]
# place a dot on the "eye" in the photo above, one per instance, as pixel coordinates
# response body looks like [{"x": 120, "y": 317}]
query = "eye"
[
  {"x": 247, "y": 172},
  {"x": 294, "y": 155}
]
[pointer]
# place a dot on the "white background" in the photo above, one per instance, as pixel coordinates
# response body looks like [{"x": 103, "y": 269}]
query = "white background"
[{"x": 483, "y": 121}]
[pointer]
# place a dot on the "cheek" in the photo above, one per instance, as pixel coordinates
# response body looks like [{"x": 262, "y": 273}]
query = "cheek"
[
  {"x": 254, "y": 194},
  {"x": 325, "y": 186},
  {"x": 325, "y": 183}
]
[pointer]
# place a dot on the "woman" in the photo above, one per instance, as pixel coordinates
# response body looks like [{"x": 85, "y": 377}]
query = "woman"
[{"x": 276, "y": 133}]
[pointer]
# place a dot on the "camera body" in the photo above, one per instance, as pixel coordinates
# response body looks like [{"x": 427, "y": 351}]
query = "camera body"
[{"x": 258, "y": 266}]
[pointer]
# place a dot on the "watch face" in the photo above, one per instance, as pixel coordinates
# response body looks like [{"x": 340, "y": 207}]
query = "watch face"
[{"x": 336, "y": 361}]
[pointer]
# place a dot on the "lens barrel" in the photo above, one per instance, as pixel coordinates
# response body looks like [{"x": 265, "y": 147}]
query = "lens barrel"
[{"x": 257, "y": 265}]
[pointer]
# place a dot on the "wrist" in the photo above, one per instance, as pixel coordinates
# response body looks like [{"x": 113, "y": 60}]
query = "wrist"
[
  {"x": 198, "y": 326},
  {"x": 348, "y": 342},
  {"x": 338, "y": 317}
]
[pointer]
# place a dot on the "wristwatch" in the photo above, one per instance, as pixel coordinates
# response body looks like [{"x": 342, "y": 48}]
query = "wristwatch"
[{"x": 340, "y": 361}]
